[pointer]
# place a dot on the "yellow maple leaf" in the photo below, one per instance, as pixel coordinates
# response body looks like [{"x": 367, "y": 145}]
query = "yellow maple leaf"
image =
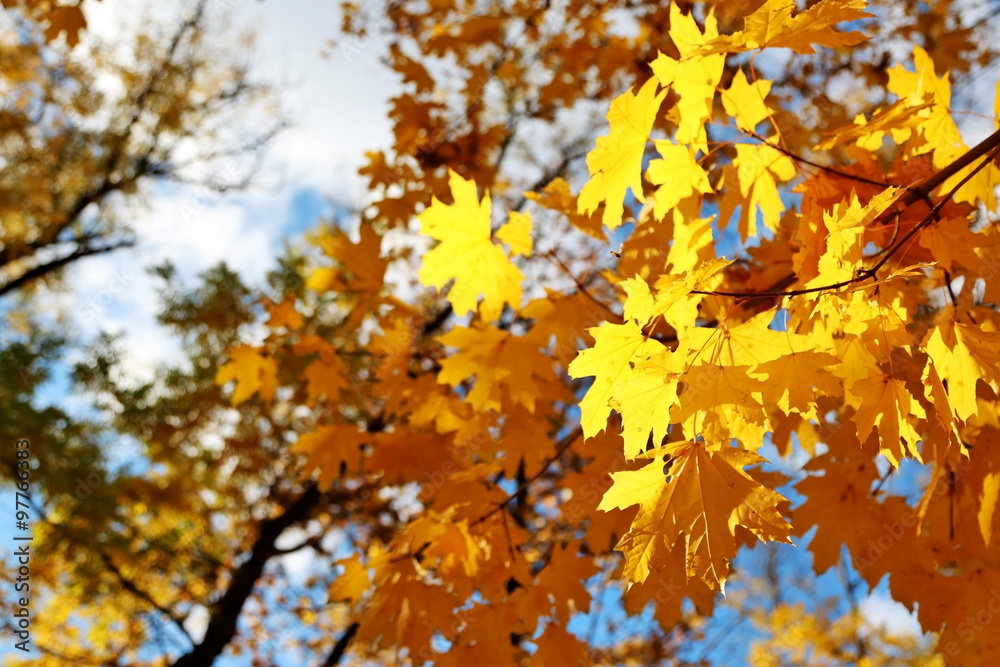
[
  {"x": 701, "y": 494},
  {"x": 749, "y": 343},
  {"x": 758, "y": 169},
  {"x": 938, "y": 131},
  {"x": 672, "y": 300},
  {"x": 253, "y": 370},
  {"x": 787, "y": 387},
  {"x": 616, "y": 346},
  {"x": 745, "y": 101},
  {"x": 694, "y": 77},
  {"x": 898, "y": 119},
  {"x": 945, "y": 418},
  {"x": 467, "y": 253},
  {"x": 846, "y": 225},
  {"x": 643, "y": 395},
  {"x": 886, "y": 403},
  {"x": 616, "y": 163},
  {"x": 722, "y": 402},
  {"x": 693, "y": 241},
  {"x": 963, "y": 355},
  {"x": 773, "y": 25},
  {"x": 517, "y": 233},
  {"x": 352, "y": 584},
  {"x": 678, "y": 174},
  {"x": 504, "y": 365}
]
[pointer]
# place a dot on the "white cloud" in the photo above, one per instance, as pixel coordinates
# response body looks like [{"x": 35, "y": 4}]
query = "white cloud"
[
  {"x": 339, "y": 109},
  {"x": 881, "y": 611}
]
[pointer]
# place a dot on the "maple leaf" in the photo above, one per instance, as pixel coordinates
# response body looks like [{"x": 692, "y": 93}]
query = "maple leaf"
[
  {"x": 672, "y": 300},
  {"x": 361, "y": 265},
  {"x": 468, "y": 255},
  {"x": 748, "y": 343},
  {"x": 616, "y": 163},
  {"x": 844, "y": 490},
  {"x": 407, "y": 612},
  {"x": 283, "y": 314},
  {"x": 326, "y": 379},
  {"x": 678, "y": 174},
  {"x": 723, "y": 402},
  {"x": 444, "y": 542},
  {"x": 694, "y": 77},
  {"x": 517, "y": 233},
  {"x": 644, "y": 395},
  {"x": 698, "y": 500},
  {"x": 556, "y": 196},
  {"x": 670, "y": 588},
  {"x": 504, "y": 366},
  {"x": 773, "y": 25},
  {"x": 616, "y": 347},
  {"x": 526, "y": 442},
  {"x": 557, "y": 647},
  {"x": 253, "y": 370},
  {"x": 331, "y": 447},
  {"x": 757, "y": 169},
  {"x": 564, "y": 578},
  {"x": 938, "y": 130},
  {"x": 745, "y": 101},
  {"x": 886, "y": 403},
  {"x": 352, "y": 583},
  {"x": 899, "y": 119},
  {"x": 963, "y": 355},
  {"x": 944, "y": 417},
  {"x": 786, "y": 388},
  {"x": 65, "y": 19},
  {"x": 327, "y": 375}
]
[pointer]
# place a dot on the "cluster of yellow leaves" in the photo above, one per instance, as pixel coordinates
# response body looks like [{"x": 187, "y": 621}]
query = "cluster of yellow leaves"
[
  {"x": 830, "y": 327},
  {"x": 858, "y": 349}
]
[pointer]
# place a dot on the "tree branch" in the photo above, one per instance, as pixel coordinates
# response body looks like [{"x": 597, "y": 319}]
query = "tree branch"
[
  {"x": 132, "y": 588},
  {"x": 222, "y": 623},
  {"x": 341, "y": 646},
  {"x": 47, "y": 268},
  {"x": 990, "y": 147},
  {"x": 564, "y": 444}
]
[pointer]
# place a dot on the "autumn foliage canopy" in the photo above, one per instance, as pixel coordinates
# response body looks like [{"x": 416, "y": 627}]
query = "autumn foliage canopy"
[
  {"x": 859, "y": 326},
  {"x": 562, "y": 361}
]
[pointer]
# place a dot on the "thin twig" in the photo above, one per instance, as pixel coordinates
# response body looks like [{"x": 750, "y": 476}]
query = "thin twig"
[
  {"x": 870, "y": 272},
  {"x": 568, "y": 440}
]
